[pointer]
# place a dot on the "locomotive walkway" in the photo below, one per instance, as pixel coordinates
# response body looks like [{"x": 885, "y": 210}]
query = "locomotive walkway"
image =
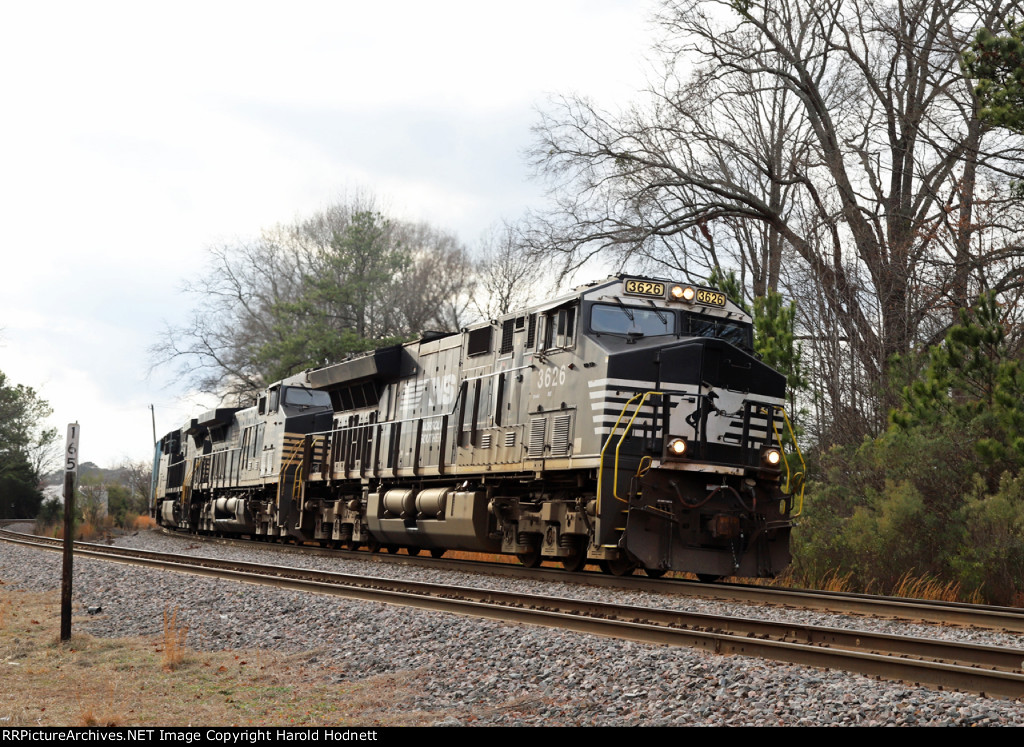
[{"x": 993, "y": 671}]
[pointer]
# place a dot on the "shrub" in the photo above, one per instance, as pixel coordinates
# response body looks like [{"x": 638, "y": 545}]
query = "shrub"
[{"x": 144, "y": 522}]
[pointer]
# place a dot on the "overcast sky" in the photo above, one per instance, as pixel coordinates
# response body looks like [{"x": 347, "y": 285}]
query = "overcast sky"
[{"x": 136, "y": 135}]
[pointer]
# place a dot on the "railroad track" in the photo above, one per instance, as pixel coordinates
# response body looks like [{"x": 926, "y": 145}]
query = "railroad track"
[
  {"x": 993, "y": 671},
  {"x": 984, "y": 617}
]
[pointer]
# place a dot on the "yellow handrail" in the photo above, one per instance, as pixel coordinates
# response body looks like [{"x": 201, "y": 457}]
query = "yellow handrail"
[
  {"x": 286, "y": 463},
  {"x": 629, "y": 427},
  {"x": 186, "y": 486},
  {"x": 798, "y": 476},
  {"x": 300, "y": 474},
  {"x": 792, "y": 479},
  {"x": 642, "y": 396}
]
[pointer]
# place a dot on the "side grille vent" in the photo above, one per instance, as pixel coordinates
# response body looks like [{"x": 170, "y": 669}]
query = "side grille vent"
[
  {"x": 538, "y": 426},
  {"x": 560, "y": 435},
  {"x": 507, "y": 330}
]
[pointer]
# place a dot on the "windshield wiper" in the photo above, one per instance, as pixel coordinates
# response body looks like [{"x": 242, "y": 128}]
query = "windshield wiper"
[{"x": 662, "y": 317}]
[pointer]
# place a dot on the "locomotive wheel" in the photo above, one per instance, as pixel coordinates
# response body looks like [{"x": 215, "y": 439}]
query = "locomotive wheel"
[
  {"x": 530, "y": 559},
  {"x": 437, "y": 552},
  {"x": 707, "y": 578},
  {"x": 655, "y": 572},
  {"x": 392, "y": 548},
  {"x": 414, "y": 551},
  {"x": 618, "y": 567},
  {"x": 373, "y": 545},
  {"x": 575, "y": 562}
]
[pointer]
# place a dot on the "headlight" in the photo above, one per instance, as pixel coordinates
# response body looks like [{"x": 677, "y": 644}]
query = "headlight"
[
  {"x": 772, "y": 457},
  {"x": 677, "y": 447},
  {"x": 683, "y": 293}
]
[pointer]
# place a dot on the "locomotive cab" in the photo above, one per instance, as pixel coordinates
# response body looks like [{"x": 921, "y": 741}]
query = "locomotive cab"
[{"x": 692, "y": 458}]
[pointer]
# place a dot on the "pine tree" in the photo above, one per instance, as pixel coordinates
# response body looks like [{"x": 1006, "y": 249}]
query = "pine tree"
[
  {"x": 774, "y": 327},
  {"x": 972, "y": 384},
  {"x": 775, "y": 338},
  {"x": 997, "y": 63}
]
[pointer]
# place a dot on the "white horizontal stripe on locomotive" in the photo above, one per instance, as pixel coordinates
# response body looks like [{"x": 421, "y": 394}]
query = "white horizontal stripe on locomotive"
[{"x": 610, "y": 402}]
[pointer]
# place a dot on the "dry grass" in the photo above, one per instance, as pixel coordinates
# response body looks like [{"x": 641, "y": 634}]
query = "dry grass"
[
  {"x": 908, "y": 585},
  {"x": 175, "y": 635},
  {"x": 831, "y": 581},
  {"x": 87, "y": 532},
  {"x": 927, "y": 587},
  {"x": 144, "y": 523},
  {"x": 837, "y": 582},
  {"x": 123, "y": 682}
]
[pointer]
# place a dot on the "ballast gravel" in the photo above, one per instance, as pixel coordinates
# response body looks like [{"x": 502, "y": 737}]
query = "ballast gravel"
[{"x": 483, "y": 672}]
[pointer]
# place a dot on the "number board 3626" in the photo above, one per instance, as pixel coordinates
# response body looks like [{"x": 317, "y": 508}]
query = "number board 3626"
[
  {"x": 711, "y": 298},
  {"x": 644, "y": 288}
]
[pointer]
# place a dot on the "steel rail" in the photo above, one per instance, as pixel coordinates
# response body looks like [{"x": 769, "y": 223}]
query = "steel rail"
[
  {"x": 969, "y": 667},
  {"x": 1002, "y": 619}
]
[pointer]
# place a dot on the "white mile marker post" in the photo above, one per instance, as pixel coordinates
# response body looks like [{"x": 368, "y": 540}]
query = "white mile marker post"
[{"x": 70, "y": 473}]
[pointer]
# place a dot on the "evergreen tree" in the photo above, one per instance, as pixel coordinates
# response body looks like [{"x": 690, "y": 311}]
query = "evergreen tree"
[
  {"x": 774, "y": 328},
  {"x": 775, "y": 338},
  {"x": 973, "y": 384},
  {"x": 305, "y": 294},
  {"x": 997, "y": 63},
  {"x": 941, "y": 492},
  {"x": 342, "y": 306},
  {"x": 730, "y": 285},
  {"x": 24, "y": 443}
]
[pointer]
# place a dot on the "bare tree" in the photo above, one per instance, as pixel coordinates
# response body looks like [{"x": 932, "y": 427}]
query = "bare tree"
[
  {"x": 838, "y": 135},
  {"x": 509, "y": 275},
  {"x": 232, "y": 316},
  {"x": 435, "y": 290},
  {"x": 136, "y": 476},
  {"x": 305, "y": 294}
]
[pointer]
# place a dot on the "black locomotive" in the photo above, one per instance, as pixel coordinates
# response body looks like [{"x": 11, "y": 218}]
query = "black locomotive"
[{"x": 627, "y": 423}]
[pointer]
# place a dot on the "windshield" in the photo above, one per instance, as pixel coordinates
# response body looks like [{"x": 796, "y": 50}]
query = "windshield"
[
  {"x": 299, "y": 397},
  {"x": 733, "y": 332},
  {"x": 631, "y": 320}
]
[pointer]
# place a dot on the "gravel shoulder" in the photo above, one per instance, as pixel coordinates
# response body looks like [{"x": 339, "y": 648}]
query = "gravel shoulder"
[{"x": 443, "y": 669}]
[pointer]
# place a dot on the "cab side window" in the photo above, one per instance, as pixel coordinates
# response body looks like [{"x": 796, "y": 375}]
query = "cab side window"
[{"x": 560, "y": 328}]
